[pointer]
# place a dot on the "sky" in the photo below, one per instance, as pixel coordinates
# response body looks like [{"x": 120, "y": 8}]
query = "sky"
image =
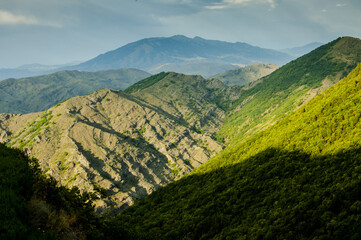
[{"x": 63, "y": 31}]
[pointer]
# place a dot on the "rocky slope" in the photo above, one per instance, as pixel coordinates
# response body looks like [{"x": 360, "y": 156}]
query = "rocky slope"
[{"x": 122, "y": 145}]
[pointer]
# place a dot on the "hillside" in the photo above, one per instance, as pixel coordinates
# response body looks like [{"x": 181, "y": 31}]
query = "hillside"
[
  {"x": 245, "y": 75},
  {"x": 296, "y": 180},
  {"x": 192, "y": 99},
  {"x": 286, "y": 89},
  {"x": 38, "y": 93},
  {"x": 127, "y": 145},
  {"x": 34, "y": 207},
  {"x": 151, "y": 53}
]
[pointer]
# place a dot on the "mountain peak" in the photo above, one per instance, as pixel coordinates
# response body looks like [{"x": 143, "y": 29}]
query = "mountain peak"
[{"x": 153, "y": 53}]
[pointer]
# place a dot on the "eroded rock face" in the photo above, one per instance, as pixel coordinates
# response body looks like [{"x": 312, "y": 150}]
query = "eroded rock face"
[{"x": 113, "y": 143}]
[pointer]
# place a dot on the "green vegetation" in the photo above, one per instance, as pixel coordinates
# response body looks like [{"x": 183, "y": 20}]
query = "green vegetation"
[
  {"x": 297, "y": 180},
  {"x": 282, "y": 91},
  {"x": 328, "y": 124},
  {"x": 145, "y": 83},
  {"x": 34, "y": 207}
]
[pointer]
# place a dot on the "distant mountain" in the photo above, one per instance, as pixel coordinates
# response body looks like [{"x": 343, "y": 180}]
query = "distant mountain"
[
  {"x": 126, "y": 143},
  {"x": 36, "y": 94},
  {"x": 30, "y": 70},
  {"x": 299, "y": 51},
  {"x": 297, "y": 180},
  {"x": 205, "y": 69},
  {"x": 245, "y": 75},
  {"x": 151, "y": 53}
]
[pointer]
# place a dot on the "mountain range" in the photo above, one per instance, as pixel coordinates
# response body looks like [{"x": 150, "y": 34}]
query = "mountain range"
[
  {"x": 266, "y": 158},
  {"x": 154, "y": 52},
  {"x": 176, "y": 54}
]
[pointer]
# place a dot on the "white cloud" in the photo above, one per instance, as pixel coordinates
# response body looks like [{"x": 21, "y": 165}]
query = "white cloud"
[
  {"x": 231, "y": 3},
  {"x": 217, "y": 7},
  {"x": 340, "y": 5},
  {"x": 8, "y": 18}
]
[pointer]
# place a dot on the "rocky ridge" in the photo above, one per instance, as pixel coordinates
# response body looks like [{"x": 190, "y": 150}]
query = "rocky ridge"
[{"x": 120, "y": 145}]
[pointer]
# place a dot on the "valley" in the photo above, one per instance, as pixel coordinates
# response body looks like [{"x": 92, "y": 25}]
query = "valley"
[{"x": 257, "y": 152}]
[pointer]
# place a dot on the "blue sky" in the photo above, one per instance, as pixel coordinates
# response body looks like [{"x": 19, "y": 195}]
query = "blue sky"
[{"x": 62, "y": 31}]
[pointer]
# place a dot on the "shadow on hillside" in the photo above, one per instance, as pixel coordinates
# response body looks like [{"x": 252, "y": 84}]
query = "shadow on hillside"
[{"x": 275, "y": 194}]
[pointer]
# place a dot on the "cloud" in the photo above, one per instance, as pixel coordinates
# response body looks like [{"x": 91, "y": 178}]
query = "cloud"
[
  {"x": 231, "y": 3},
  {"x": 216, "y": 7},
  {"x": 340, "y": 5},
  {"x": 8, "y": 18}
]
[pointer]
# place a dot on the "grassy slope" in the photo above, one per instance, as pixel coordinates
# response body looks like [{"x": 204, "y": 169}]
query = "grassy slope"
[
  {"x": 35, "y": 94},
  {"x": 299, "y": 179},
  {"x": 289, "y": 87}
]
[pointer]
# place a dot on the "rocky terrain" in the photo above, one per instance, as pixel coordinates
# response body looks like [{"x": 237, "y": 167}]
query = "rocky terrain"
[{"x": 122, "y": 146}]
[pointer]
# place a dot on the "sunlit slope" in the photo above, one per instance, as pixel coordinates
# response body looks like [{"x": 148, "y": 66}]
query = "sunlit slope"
[
  {"x": 327, "y": 124},
  {"x": 297, "y": 180},
  {"x": 289, "y": 87}
]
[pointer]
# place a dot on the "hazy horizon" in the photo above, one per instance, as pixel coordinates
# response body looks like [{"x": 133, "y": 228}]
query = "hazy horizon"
[{"x": 58, "y": 32}]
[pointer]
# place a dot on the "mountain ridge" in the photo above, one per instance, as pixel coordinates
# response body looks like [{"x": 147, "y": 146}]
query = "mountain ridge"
[
  {"x": 274, "y": 96},
  {"x": 145, "y": 53},
  {"x": 127, "y": 145}
]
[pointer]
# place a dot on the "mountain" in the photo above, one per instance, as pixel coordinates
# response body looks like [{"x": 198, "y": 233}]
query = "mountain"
[
  {"x": 245, "y": 75},
  {"x": 299, "y": 51},
  {"x": 151, "y": 53},
  {"x": 38, "y": 93},
  {"x": 273, "y": 97},
  {"x": 125, "y": 143},
  {"x": 296, "y": 180}
]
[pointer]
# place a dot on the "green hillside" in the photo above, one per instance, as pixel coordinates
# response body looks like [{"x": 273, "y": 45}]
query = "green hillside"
[
  {"x": 36, "y": 94},
  {"x": 289, "y": 87},
  {"x": 145, "y": 83},
  {"x": 193, "y": 100},
  {"x": 297, "y": 180}
]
